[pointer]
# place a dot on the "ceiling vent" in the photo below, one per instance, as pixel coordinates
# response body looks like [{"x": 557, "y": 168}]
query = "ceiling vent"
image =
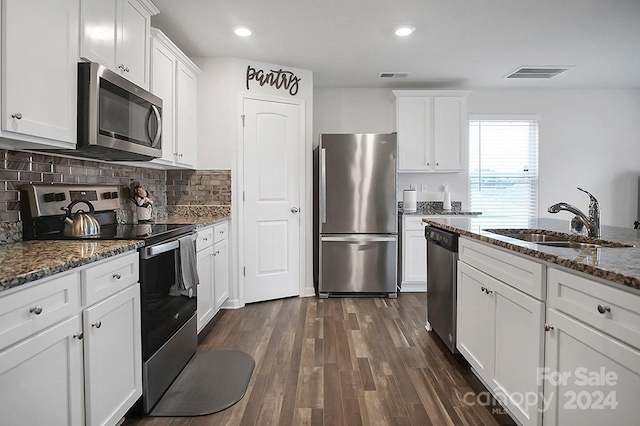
[
  {"x": 394, "y": 74},
  {"x": 537, "y": 72}
]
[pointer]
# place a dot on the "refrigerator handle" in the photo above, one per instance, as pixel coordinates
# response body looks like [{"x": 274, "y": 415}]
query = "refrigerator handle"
[{"x": 323, "y": 186}]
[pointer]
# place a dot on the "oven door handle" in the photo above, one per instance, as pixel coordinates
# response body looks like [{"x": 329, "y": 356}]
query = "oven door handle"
[{"x": 149, "y": 252}]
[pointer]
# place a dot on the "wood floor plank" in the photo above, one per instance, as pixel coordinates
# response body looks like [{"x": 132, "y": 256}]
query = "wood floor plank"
[
  {"x": 351, "y": 384},
  {"x": 366, "y": 375},
  {"x": 351, "y": 411},
  {"x": 332, "y": 408}
]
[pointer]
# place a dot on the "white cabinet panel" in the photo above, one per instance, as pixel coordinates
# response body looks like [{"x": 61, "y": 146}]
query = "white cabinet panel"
[
  {"x": 221, "y": 272},
  {"x": 575, "y": 352},
  {"x": 133, "y": 42},
  {"x": 39, "y": 75},
  {"x": 163, "y": 85},
  {"x": 186, "y": 115},
  {"x": 450, "y": 130},
  {"x": 41, "y": 378},
  {"x": 99, "y": 31},
  {"x": 206, "y": 302},
  {"x": 113, "y": 356},
  {"x": 414, "y": 259},
  {"x": 475, "y": 317},
  {"x": 414, "y": 133}
]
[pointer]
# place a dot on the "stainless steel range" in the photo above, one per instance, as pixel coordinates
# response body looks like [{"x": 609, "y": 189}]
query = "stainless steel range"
[{"x": 169, "y": 336}]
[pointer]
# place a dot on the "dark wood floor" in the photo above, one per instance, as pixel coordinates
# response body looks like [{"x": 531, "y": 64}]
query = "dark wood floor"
[{"x": 346, "y": 361}]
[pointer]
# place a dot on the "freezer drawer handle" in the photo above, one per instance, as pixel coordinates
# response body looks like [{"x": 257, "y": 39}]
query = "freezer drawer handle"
[{"x": 359, "y": 239}]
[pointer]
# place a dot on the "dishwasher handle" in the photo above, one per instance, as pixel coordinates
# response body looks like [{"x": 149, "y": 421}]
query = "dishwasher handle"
[{"x": 445, "y": 239}]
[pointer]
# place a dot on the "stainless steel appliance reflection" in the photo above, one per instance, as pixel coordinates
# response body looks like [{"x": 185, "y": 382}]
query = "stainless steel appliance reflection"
[{"x": 357, "y": 214}]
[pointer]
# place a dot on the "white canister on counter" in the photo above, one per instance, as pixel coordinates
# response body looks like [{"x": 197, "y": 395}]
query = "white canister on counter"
[
  {"x": 409, "y": 203},
  {"x": 446, "y": 198}
]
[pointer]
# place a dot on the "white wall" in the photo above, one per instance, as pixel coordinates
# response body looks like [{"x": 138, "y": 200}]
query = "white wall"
[
  {"x": 588, "y": 138},
  {"x": 221, "y": 86}
]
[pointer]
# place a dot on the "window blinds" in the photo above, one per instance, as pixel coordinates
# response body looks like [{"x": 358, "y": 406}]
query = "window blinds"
[{"x": 503, "y": 170}]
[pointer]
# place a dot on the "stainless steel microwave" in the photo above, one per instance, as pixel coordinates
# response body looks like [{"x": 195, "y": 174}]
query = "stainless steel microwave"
[{"x": 117, "y": 120}]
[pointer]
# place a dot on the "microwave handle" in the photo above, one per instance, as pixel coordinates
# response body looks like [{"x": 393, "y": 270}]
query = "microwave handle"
[{"x": 159, "y": 121}]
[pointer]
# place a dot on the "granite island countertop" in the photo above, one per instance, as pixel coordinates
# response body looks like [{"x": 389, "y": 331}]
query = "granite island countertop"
[
  {"x": 620, "y": 266},
  {"x": 26, "y": 261}
]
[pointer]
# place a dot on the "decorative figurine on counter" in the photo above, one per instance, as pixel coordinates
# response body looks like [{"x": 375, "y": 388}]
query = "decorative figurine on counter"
[{"x": 143, "y": 203}]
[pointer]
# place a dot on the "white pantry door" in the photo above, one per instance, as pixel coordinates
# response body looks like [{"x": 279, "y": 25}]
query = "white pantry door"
[{"x": 272, "y": 138}]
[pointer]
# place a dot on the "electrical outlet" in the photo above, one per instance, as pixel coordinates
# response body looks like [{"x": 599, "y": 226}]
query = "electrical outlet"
[{"x": 423, "y": 188}]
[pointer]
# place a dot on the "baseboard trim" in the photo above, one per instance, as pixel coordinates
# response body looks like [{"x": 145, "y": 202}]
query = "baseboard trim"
[{"x": 413, "y": 287}]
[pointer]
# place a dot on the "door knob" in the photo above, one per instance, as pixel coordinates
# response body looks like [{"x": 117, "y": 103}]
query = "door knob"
[{"x": 294, "y": 210}]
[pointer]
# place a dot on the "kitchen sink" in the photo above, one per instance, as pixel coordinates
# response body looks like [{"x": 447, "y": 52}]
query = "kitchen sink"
[{"x": 557, "y": 239}]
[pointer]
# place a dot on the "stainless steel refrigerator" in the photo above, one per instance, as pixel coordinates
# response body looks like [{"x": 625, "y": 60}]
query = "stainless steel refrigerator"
[{"x": 357, "y": 214}]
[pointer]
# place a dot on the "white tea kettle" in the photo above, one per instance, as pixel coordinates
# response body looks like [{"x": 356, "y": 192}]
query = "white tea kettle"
[{"x": 83, "y": 224}]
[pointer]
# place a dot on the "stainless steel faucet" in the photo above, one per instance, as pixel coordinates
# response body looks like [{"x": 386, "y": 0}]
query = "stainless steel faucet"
[{"x": 592, "y": 222}]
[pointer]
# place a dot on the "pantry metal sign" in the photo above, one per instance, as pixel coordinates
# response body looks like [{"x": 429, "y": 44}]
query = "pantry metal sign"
[{"x": 280, "y": 79}]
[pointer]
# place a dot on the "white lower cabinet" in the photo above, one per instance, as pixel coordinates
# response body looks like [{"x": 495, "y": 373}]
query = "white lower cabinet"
[
  {"x": 590, "y": 378},
  {"x": 213, "y": 271},
  {"x": 592, "y": 359},
  {"x": 500, "y": 332},
  {"x": 221, "y": 272},
  {"x": 206, "y": 304},
  {"x": 41, "y": 378},
  {"x": 112, "y": 356},
  {"x": 79, "y": 364}
]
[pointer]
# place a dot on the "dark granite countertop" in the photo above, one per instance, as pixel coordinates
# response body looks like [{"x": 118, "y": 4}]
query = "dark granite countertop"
[
  {"x": 27, "y": 261},
  {"x": 617, "y": 265},
  {"x": 433, "y": 208}
]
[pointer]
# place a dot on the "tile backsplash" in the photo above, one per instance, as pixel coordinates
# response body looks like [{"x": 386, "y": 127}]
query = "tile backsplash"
[
  {"x": 174, "y": 187},
  {"x": 198, "y": 187}
]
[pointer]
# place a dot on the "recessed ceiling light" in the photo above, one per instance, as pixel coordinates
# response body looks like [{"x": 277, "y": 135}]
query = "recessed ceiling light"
[
  {"x": 242, "y": 31},
  {"x": 404, "y": 30}
]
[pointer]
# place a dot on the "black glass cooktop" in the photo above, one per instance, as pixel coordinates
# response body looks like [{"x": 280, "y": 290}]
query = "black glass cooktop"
[{"x": 151, "y": 233}]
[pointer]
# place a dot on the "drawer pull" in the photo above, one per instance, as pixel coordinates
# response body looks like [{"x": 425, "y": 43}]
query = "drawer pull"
[
  {"x": 205, "y": 239},
  {"x": 117, "y": 276},
  {"x": 36, "y": 310},
  {"x": 78, "y": 336},
  {"x": 548, "y": 327},
  {"x": 97, "y": 324},
  {"x": 603, "y": 309}
]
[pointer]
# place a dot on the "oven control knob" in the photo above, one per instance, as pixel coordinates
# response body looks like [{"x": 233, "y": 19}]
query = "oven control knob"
[{"x": 59, "y": 196}]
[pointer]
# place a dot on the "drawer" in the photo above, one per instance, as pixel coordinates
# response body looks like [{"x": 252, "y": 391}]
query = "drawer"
[
  {"x": 610, "y": 310},
  {"x": 521, "y": 273},
  {"x": 414, "y": 223},
  {"x": 205, "y": 238},
  {"x": 106, "y": 278},
  {"x": 220, "y": 231},
  {"x": 55, "y": 299}
]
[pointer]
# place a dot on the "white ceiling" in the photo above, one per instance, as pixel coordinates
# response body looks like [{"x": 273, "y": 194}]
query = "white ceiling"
[{"x": 457, "y": 44}]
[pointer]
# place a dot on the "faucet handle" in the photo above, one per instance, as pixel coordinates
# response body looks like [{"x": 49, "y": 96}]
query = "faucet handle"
[{"x": 593, "y": 203}]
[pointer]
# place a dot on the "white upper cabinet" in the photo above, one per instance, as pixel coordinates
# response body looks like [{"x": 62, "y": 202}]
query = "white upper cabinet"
[
  {"x": 174, "y": 79},
  {"x": 39, "y": 72},
  {"x": 432, "y": 130},
  {"x": 116, "y": 34}
]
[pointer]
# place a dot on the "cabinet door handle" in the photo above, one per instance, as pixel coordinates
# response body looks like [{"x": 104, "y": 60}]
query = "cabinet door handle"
[
  {"x": 17, "y": 116},
  {"x": 603, "y": 309},
  {"x": 437, "y": 164},
  {"x": 488, "y": 291},
  {"x": 36, "y": 310},
  {"x": 79, "y": 335},
  {"x": 117, "y": 276},
  {"x": 548, "y": 327},
  {"x": 428, "y": 164},
  {"x": 97, "y": 324},
  {"x": 205, "y": 239},
  {"x": 482, "y": 288}
]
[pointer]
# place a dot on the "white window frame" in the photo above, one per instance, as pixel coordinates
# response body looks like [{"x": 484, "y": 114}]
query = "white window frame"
[{"x": 506, "y": 220}]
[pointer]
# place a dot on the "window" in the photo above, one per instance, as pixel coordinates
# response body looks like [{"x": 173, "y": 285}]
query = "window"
[{"x": 503, "y": 169}]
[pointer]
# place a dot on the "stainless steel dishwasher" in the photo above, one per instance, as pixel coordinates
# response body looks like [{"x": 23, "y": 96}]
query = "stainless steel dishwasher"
[{"x": 442, "y": 258}]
